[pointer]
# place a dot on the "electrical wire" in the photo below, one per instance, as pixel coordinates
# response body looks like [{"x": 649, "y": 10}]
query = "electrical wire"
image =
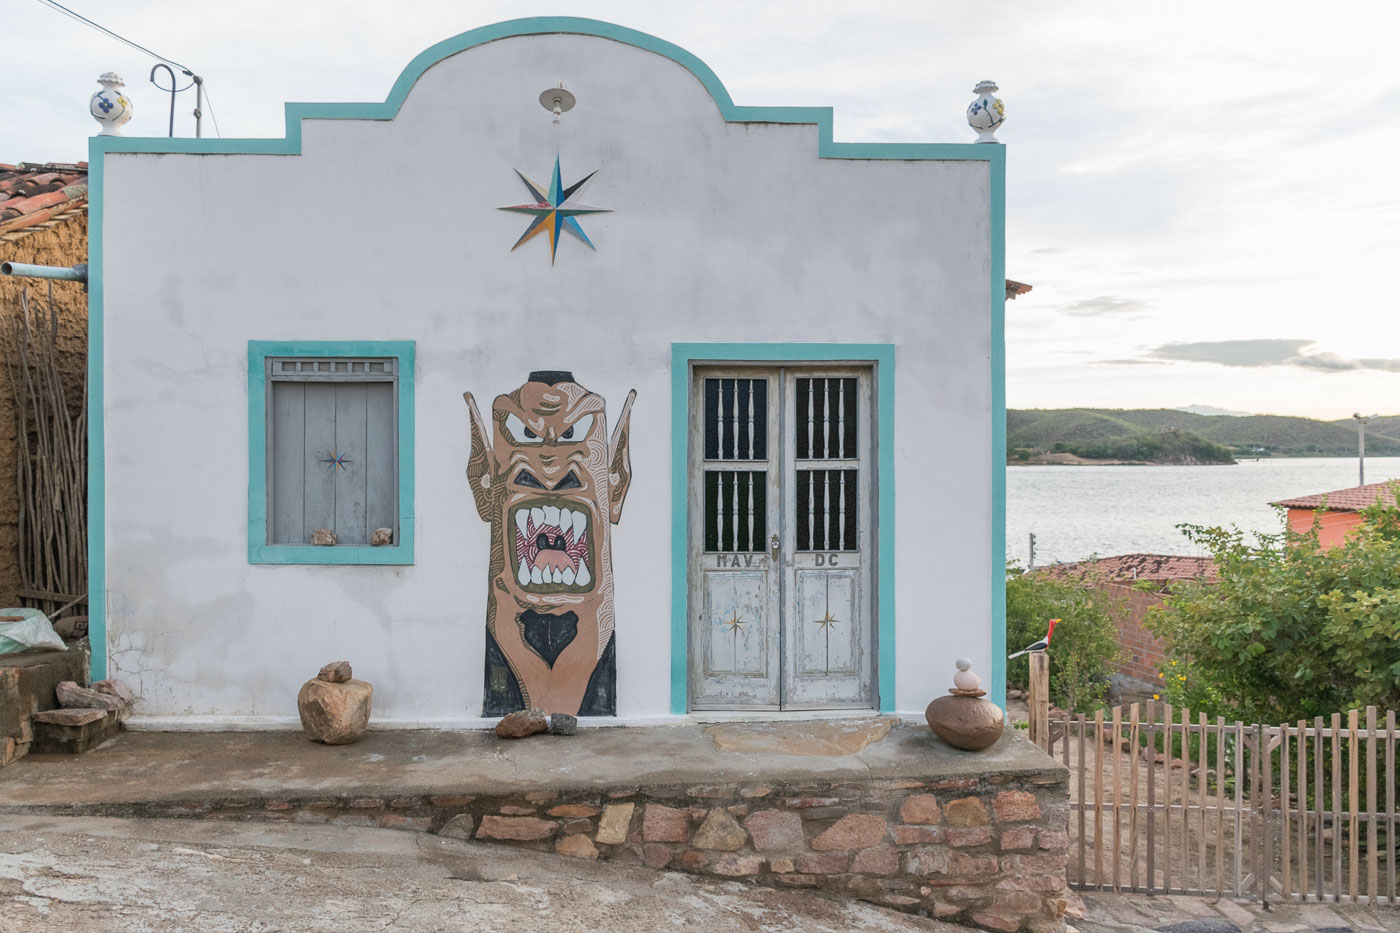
[
  {"x": 55, "y": 5},
  {"x": 209, "y": 102},
  {"x": 74, "y": 15}
]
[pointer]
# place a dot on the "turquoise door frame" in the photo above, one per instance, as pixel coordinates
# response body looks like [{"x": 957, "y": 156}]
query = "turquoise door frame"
[{"x": 683, "y": 356}]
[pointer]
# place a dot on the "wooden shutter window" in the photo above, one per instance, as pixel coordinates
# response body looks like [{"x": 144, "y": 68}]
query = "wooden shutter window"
[{"x": 332, "y": 441}]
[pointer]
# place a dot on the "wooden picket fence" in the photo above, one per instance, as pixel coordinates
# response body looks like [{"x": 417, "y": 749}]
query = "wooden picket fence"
[{"x": 1167, "y": 802}]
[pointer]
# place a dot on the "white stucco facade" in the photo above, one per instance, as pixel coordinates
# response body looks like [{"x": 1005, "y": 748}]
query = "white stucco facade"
[{"x": 720, "y": 232}]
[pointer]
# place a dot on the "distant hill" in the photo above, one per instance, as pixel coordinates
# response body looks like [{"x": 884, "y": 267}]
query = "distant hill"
[{"x": 1080, "y": 430}]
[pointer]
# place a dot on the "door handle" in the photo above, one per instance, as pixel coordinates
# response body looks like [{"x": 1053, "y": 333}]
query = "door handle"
[{"x": 773, "y": 547}]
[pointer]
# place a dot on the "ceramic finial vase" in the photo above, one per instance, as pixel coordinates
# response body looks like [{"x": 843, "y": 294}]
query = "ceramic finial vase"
[
  {"x": 109, "y": 106},
  {"x": 986, "y": 113},
  {"x": 965, "y": 719}
]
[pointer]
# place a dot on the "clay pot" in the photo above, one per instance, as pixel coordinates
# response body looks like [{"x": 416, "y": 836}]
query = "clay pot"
[{"x": 965, "y": 722}]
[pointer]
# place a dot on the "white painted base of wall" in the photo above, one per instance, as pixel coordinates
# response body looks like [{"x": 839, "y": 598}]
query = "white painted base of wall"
[{"x": 293, "y": 724}]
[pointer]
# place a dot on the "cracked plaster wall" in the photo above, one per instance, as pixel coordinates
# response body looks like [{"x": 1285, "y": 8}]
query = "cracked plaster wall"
[{"x": 390, "y": 230}]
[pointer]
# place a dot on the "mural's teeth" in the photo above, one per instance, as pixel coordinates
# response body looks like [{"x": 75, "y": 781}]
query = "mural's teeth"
[
  {"x": 551, "y": 515},
  {"x": 566, "y": 520},
  {"x": 524, "y": 575},
  {"x": 558, "y": 576},
  {"x": 583, "y": 575},
  {"x": 536, "y": 576},
  {"x": 522, "y": 519},
  {"x": 568, "y": 576},
  {"x": 580, "y": 523},
  {"x": 537, "y": 516}
]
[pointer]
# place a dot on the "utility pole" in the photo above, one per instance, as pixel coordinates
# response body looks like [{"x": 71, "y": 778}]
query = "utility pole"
[
  {"x": 1032, "y": 563},
  {"x": 1361, "y": 446}
]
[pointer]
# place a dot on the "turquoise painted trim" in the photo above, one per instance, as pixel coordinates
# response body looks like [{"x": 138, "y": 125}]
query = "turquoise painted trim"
[
  {"x": 682, "y": 356},
  {"x": 295, "y": 113},
  {"x": 997, "y": 688},
  {"x": 259, "y": 552},
  {"x": 97, "y": 460},
  {"x": 290, "y": 144}
]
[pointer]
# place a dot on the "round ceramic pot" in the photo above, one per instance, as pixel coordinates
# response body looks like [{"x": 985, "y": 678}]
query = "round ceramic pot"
[
  {"x": 986, "y": 112},
  {"x": 109, "y": 106}
]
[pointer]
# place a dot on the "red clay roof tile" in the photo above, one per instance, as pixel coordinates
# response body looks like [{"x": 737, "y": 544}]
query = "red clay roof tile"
[
  {"x": 32, "y": 193},
  {"x": 1343, "y": 500},
  {"x": 1138, "y": 567}
]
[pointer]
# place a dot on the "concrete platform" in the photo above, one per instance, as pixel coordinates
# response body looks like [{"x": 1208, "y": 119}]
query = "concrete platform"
[
  {"x": 873, "y": 809},
  {"x": 152, "y": 767}
]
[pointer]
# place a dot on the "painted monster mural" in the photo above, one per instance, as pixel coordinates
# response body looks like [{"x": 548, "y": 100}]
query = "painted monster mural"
[{"x": 549, "y": 481}]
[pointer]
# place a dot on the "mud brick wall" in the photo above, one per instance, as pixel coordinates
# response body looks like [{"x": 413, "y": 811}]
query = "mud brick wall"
[
  {"x": 989, "y": 851},
  {"x": 63, "y": 243},
  {"x": 1143, "y": 653}
]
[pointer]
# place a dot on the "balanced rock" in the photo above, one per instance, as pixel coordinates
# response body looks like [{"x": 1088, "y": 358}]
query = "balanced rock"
[
  {"x": 336, "y": 672},
  {"x": 522, "y": 723},
  {"x": 563, "y": 724},
  {"x": 381, "y": 537},
  {"x": 323, "y": 537},
  {"x": 334, "y": 713}
]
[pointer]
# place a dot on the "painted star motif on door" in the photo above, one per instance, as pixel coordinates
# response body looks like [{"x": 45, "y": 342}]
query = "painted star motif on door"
[
  {"x": 734, "y": 623},
  {"x": 551, "y": 211}
]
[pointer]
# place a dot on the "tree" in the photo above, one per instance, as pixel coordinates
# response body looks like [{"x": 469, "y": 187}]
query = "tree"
[
  {"x": 1085, "y": 649},
  {"x": 1292, "y": 630}
]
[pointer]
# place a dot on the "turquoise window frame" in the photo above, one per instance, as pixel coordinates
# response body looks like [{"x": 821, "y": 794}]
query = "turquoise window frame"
[
  {"x": 683, "y": 356},
  {"x": 259, "y": 551}
]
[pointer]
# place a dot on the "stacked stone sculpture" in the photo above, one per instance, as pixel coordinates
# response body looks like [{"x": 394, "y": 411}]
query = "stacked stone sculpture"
[{"x": 965, "y": 720}]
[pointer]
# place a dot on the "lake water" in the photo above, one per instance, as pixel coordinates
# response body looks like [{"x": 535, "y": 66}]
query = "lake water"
[{"x": 1081, "y": 511}]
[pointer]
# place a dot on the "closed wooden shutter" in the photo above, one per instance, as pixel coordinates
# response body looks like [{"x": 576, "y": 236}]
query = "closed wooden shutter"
[{"x": 332, "y": 449}]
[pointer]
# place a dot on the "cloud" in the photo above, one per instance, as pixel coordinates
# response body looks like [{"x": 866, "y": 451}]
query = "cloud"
[
  {"x": 1104, "y": 304},
  {"x": 1133, "y": 362},
  {"x": 1268, "y": 352}
]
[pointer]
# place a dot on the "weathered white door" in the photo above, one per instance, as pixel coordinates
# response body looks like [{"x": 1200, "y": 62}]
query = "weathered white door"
[
  {"x": 734, "y": 519},
  {"x": 781, "y": 552}
]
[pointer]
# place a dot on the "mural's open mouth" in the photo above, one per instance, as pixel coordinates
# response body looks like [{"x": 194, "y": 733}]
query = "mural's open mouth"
[{"x": 551, "y": 547}]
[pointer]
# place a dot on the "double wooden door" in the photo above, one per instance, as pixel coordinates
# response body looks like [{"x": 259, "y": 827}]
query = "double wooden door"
[{"x": 781, "y": 557}]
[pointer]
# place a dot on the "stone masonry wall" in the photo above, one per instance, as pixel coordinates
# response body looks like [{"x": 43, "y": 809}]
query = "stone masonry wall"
[{"x": 991, "y": 851}]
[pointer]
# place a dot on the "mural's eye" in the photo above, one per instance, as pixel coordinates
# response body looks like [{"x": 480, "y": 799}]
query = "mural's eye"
[
  {"x": 570, "y": 481},
  {"x": 578, "y": 430},
  {"x": 526, "y": 478},
  {"x": 519, "y": 433}
]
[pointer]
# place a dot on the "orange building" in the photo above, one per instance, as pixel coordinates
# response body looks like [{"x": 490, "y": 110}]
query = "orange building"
[{"x": 1336, "y": 512}]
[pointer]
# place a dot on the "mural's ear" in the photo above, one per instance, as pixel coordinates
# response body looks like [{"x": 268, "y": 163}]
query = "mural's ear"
[
  {"x": 619, "y": 460},
  {"x": 479, "y": 464}
]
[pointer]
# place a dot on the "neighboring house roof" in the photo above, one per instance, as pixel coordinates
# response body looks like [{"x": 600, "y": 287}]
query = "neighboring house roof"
[
  {"x": 1343, "y": 500},
  {"x": 1157, "y": 568},
  {"x": 34, "y": 196},
  {"x": 1016, "y": 289}
]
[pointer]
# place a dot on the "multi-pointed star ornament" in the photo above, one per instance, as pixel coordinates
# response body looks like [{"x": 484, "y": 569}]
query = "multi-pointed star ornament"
[
  {"x": 551, "y": 211},
  {"x": 735, "y": 622},
  {"x": 337, "y": 461},
  {"x": 826, "y": 622}
]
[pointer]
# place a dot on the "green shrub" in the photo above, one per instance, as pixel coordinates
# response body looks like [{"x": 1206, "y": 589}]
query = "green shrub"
[
  {"x": 1291, "y": 630},
  {"x": 1084, "y": 650}
]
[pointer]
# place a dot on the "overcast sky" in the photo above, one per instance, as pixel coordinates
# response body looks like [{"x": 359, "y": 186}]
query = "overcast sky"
[{"x": 1206, "y": 196}]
